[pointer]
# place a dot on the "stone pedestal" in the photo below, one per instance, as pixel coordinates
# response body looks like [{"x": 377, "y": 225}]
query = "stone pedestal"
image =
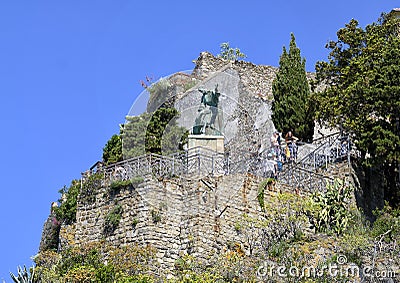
[{"x": 215, "y": 143}]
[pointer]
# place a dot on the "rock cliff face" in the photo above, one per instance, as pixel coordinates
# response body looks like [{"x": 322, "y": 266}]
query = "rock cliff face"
[{"x": 245, "y": 102}]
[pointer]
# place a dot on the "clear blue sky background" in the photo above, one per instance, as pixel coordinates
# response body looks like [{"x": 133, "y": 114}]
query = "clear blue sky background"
[{"x": 70, "y": 70}]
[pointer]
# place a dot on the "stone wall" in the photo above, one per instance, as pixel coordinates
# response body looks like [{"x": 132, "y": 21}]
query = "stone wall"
[{"x": 176, "y": 216}]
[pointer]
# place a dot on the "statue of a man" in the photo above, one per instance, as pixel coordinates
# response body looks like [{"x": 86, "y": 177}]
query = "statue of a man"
[{"x": 208, "y": 112}]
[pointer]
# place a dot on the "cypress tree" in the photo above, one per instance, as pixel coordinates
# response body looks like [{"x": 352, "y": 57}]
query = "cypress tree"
[{"x": 291, "y": 108}]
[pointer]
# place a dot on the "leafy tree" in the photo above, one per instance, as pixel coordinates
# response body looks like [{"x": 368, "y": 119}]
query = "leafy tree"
[
  {"x": 163, "y": 135},
  {"x": 155, "y": 132},
  {"x": 134, "y": 135},
  {"x": 66, "y": 212},
  {"x": 362, "y": 75},
  {"x": 112, "y": 151},
  {"x": 292, "y": 110},
  {"x": 160, "y": 92},
  {"x": 229, "y": 53}
]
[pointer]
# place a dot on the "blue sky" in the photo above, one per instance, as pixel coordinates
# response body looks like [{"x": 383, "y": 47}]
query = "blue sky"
[{"x": 70, "y": 71}]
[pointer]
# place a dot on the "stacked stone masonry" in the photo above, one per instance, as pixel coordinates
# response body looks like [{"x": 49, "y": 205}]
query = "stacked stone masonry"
[{"x": 176, "y": 216}]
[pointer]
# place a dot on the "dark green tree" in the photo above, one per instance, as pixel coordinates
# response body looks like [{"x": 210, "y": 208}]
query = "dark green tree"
[
  {"x": 291, "y": 108},
  {"x": 112, "y": 151},
  {"x": 134, "y": 135},
  {"x": 155, "y": 132},
  {"x": 66, "y": 212},
  {"x": 162, "y": 132},
  {"x": 362, "y": 75}
]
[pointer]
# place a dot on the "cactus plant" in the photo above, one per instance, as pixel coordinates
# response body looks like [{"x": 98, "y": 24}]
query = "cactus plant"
[{"x": 23, "y": 276}]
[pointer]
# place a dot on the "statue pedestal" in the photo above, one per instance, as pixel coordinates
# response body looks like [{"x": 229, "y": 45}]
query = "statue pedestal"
[{"x": 215, "y": 143}]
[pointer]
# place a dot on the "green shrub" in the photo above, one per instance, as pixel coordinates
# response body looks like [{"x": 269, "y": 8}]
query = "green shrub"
[
  {"x": 66, "y": 212},
  {"x": 90, "y": 187},
  {"x": 81, "y": 274},
  {"x": 155, "y": 215},
  {"x": 116, "y": 186},
  {"x": 387, "y": 224},
  {"x": 261, "y": 189},
  {"x": 96, "y": 262},
  {"x": 330, "y": 211},
  {"x": 137, "y": 180},
  {"x": 112, "y": 219},
  {"x": 229, "y": 53}
]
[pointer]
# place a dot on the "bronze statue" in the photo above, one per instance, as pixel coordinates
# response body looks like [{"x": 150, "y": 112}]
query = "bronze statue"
[{"x": 205, "y": 122}]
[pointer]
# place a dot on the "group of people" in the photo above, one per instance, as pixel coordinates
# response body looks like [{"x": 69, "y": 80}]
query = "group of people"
[{"x": 282, "y": 152}]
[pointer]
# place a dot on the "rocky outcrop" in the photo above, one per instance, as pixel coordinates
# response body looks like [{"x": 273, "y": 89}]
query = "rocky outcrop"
[{"x": 50, "y": 233}]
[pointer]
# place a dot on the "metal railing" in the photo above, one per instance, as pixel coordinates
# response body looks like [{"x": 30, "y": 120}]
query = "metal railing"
[
  {"x": 200, "y": 161},
  {"x": 196, "y": 161}
]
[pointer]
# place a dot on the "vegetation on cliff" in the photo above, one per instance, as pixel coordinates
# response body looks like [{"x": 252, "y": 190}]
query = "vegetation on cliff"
[
  {"x": 155, "y": 132},
  {"x": 285, "y": 235}
]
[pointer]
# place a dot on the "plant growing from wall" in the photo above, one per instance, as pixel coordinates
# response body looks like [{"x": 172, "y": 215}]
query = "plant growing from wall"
[
  {"x": 112, "y": 219},
  {"x": 137, "y": 180},
  {"x": 135, "y": 222},
  {"x": 261, "y": 191},
  {"x": 66, "y": 212},
  {"x": 116, "y": 186},
  {"x": 90, "y": 186},
  {"x": 156, "y": 212},
  {"x": 229, "y": 53},
  {"x": 155, "y": 215}
]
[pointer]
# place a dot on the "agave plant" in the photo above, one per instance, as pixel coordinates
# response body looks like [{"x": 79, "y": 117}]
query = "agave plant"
[{"x": 24, "y": 276}]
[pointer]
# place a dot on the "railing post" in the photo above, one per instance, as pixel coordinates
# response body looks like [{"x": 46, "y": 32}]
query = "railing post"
[
  {"x": 348, "y": 152},
  {"x": 314, "y": 165},
  {"x": 212, "y": 165},
  {"x": 149, "y": 167},
  {"x": 173, "y": 165}
]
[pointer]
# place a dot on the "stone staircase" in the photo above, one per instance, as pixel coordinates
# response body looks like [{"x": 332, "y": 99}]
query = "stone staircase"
[{"x": 317, "y": 164}]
